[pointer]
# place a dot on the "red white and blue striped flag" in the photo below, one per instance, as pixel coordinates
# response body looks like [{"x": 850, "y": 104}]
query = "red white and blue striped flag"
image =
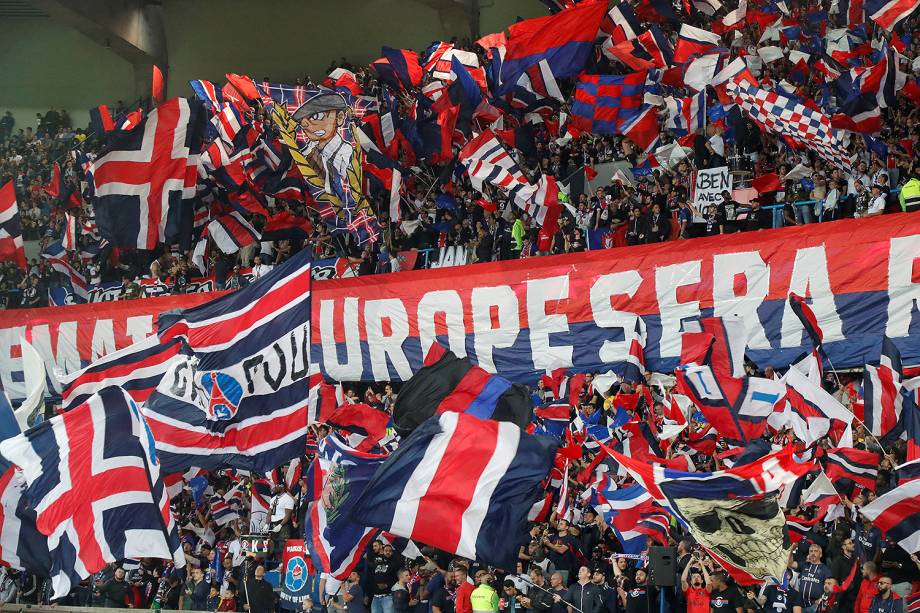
[
  {"x": 239, "y": 398},
  {"x": 461, "y": 484},
  {"x": 93, "y": 478},
  {"x": 897, "y": 514},
  {"x": 137, "y": 369},
  {"x": 857, "y": 465},
  {"x": 11, "y": 246},
  {"x": 232, "y": 232},
  {"x": 882, "y": 391},
  {"x": 337, "y": 478}
]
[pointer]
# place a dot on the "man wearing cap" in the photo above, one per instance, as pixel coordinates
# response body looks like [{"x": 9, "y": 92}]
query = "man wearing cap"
[
  {"x": 876, "y": 202},
  {"x": 321, "y": 117},
  {"x": 609, "y": 596}
]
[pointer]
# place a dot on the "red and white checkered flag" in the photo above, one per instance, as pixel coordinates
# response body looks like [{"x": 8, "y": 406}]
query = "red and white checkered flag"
[{"x": 785, "y": 117}]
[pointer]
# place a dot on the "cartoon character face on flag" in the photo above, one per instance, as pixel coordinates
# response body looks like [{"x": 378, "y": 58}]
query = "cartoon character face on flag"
[
  {"x": 329, "y": 161},
  {"x": 322, "y": 120},
  {"x": 746, "y": 533}
]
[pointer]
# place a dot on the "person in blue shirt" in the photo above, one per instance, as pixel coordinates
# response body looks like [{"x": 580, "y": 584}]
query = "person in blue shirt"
[
  {"x": 812, "y": 575},
  {"x": 886, "y": 601},
  {"x": 353, "y": 594},
  {"x": 868, "y": 541}
]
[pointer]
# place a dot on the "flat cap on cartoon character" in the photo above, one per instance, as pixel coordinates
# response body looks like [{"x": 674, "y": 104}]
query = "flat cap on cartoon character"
[{"x": 319, "y": 102}]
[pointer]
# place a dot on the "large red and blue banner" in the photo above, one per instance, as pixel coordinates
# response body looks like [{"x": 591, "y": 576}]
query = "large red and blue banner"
[
  {"x": 523, "y": 318},
  {"x": 861, "y": 278}
]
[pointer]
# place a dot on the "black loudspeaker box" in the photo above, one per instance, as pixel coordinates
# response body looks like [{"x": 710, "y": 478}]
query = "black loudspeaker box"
[{"x": 662, "y": 566}]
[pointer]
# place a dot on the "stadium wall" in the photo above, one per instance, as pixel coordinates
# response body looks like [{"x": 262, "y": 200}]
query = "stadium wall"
[{"x": 45, "y": 63}]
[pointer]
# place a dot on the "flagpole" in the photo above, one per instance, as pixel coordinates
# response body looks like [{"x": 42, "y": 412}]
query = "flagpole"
[
  {"x": 531, "y": 583},
  {"x": 858, "y": 420}
]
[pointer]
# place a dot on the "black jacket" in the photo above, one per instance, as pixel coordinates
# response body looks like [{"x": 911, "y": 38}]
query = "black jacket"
[
  {"x": 586, "y": 597},
  {"x": 259, "y": 595},
  {"x": 540, "y": 601},
  {"x": 115, "y": 593}
]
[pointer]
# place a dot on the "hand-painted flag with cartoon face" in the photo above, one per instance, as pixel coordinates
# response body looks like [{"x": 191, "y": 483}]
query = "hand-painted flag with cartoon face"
[{"x": 316, "y": 128}]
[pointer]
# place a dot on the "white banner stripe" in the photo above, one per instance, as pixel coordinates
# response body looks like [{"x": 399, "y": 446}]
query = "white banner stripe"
[{"x": 403, "y": 523}]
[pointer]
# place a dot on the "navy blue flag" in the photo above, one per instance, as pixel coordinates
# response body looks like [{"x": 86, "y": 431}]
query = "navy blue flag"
[
  {"x": 9, "y": 427},
  {"x": 461, "y": 484},
  {"x": 144, "y": 184},
  {"x": 238, "y": 397},
  {"x": 449, "y": 383},
  {"x": 22, "y": 546}
]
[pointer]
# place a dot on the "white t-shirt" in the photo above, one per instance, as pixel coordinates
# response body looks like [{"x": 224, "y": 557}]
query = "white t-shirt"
[
  {"x": 261, "y": 270},
  {"x": 876, "y": 205},
  {"x": 332, "y": 584},
  {"x": 851, "y": 182},
  {"x": 278, "y": 505}
]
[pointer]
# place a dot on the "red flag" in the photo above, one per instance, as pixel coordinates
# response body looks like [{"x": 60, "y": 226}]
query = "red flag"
[
  {"x": 244, "y": 85},
  {"x": 590, "y": 173},
  {"x": 912, "y": 90},
  {"x": 487, "y": 205},
  {"x": 489, "y": 41},
  {"x": 642, "y": 128},
  {"x": 53, "y": 188},
  {"x": 10, "y": 227},
  {"x": 233, "y": 95},
  {"x": 158, "y": 86},
  {"x": 767, "y": 183}
]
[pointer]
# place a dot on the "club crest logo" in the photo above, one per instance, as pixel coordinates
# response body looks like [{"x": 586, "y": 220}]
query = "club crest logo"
[
  {"x": 295, "y": 574},
  {"x": 223, "y": 394}
]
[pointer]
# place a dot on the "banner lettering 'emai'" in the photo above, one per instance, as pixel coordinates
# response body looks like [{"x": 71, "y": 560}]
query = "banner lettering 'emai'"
[{"x": 525, "y": 317}]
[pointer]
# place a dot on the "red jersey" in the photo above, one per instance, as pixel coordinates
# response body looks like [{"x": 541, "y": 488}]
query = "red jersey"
[
  {"x": 867, "y": 591},
  {"x": 697, "y": 599}
]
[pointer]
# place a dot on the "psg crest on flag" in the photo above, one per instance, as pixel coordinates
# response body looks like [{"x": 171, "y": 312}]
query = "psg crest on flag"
[{"x": 223, "y": 394}]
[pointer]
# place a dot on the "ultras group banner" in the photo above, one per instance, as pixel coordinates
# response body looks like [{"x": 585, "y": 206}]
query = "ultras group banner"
[{"x": 523, "y": 317}]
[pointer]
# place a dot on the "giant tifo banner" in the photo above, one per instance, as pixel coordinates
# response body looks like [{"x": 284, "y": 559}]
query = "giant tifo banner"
[{"x": 522, "y": 318}]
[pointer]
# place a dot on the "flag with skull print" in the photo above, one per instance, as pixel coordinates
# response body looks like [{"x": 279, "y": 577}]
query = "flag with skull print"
[{"x": 734, "y": 514}]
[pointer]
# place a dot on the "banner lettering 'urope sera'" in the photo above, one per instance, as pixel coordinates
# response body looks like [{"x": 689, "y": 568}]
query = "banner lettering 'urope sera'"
[{"x": 524, "y": 317}]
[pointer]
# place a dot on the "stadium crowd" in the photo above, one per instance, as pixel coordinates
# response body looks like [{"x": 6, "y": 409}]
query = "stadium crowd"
[{"x": 573, "y": 560}]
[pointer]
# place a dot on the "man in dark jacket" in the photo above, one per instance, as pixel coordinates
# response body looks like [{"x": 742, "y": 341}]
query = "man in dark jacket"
[
  {"x": 609, "y": 596},
  {"x": 200, "y": 590},
  {"x": 538, "y": 598},
  {"x": 583, "y": 594},
  {"x": 115, "y": 591},
  {"x": 258, "y": 594}
]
